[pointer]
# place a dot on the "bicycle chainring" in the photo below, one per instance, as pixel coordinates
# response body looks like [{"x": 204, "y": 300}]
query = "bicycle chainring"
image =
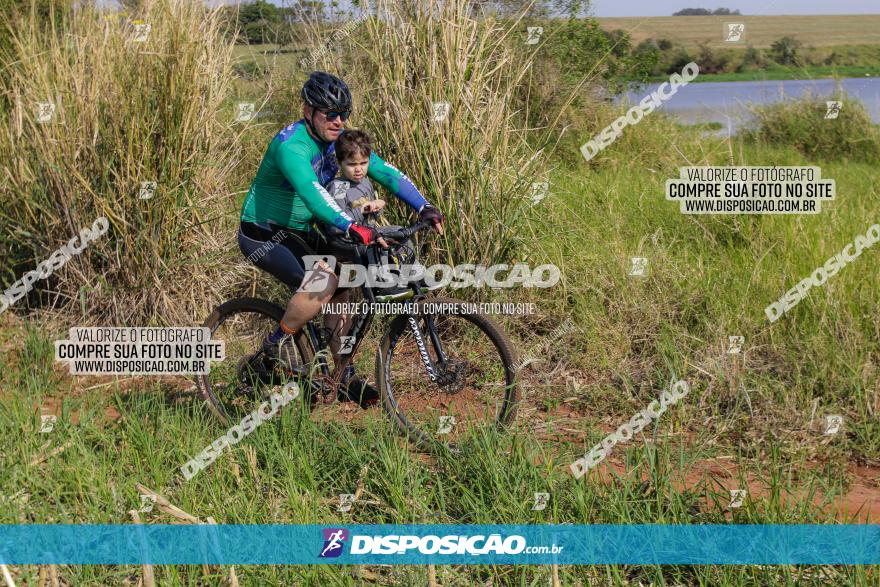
[{"x": 251, "y": 373}]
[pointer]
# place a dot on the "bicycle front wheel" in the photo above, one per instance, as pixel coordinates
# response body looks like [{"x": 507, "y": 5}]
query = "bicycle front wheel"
[{"x": 444, "y": 373}]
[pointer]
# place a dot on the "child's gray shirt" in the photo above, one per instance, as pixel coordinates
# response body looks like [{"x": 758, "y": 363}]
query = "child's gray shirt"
[{"x": 350, "y": 196}]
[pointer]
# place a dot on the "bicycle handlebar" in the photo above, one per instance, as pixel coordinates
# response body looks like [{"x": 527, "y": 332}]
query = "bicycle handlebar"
[
  {"x": 405, "y": 233},
  {"x": 342, "y": 241}
]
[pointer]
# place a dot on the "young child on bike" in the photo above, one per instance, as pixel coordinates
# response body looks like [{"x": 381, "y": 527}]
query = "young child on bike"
[
  {"x": 353, "y": 191},
  {"x": 355, "y": 195}
]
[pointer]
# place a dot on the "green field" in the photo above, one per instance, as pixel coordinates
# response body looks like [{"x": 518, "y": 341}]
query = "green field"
[
  {"x": 741, "y": 426},
  {"x": 752, "y": 421},
  {"x": 760, "y": 31}
]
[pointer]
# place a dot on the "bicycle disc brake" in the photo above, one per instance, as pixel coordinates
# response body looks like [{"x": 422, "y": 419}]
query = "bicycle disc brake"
[{"x": 451, "y": 376}]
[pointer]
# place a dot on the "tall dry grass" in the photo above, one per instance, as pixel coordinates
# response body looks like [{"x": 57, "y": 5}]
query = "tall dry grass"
[
  {"x": 126, "y": 112},
  {"x": 476, "y": 165}
]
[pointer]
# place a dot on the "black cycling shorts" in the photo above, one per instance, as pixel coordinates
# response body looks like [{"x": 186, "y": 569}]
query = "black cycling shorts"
[{"x": 279, "y": 251}]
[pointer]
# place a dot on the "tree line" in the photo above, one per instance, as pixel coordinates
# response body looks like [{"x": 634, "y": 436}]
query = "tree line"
[{"x": 706, "y": 12}]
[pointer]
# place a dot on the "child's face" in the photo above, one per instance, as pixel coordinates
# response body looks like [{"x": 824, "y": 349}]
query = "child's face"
[{"x": 355, "y": 167}]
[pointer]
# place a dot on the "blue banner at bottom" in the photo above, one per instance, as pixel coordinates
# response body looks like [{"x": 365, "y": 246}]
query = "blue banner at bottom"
[{"x": 440, "y": 544}]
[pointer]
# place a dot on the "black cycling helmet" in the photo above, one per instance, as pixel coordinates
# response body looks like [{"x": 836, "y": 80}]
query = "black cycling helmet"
[{"x": 326, "y": 91}]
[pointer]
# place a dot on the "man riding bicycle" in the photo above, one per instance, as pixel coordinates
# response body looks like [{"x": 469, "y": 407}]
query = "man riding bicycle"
[{"x": 287, "y": 195}]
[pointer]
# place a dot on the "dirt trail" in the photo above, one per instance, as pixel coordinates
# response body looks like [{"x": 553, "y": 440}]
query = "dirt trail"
[{"x": 716, "y": 477}]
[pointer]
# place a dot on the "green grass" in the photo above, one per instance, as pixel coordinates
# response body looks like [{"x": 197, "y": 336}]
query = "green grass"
[
  {"x": 713, "y": 125},
  {"x": 712, "y": 277},
  {"x": 709, "y": 277},
  {"x": 302, "y": 465}
]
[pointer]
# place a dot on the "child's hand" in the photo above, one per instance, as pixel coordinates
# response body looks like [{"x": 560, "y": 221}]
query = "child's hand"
[{"x": 373, "y": 207}]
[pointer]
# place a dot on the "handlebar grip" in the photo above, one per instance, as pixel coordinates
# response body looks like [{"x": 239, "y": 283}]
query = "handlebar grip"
[
  {"x": 405, "y": 233},
  {"x": 342, "y": 241}
]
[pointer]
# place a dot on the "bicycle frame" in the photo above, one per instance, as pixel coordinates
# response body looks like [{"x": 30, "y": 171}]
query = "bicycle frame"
[{"x": 361, "y": 323}]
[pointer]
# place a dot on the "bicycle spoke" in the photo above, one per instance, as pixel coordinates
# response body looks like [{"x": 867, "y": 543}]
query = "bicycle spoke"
[
  {"x": 236, "y": 386},
  {"x": 469, "y": 378}
]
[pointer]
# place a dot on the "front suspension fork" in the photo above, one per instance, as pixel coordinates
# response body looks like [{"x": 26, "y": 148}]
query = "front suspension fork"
[{"x": 430, "y": 366}]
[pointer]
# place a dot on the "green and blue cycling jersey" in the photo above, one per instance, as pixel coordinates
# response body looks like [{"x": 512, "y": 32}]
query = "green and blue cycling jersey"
[{"x": 288, "y": 189}]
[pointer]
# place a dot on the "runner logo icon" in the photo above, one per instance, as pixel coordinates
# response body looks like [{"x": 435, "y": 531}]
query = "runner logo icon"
[{"x": 334, "y": 539}]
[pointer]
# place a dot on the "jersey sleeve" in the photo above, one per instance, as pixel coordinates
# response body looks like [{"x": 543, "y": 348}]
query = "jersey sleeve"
[
  {"x": 389, "y": 177},
  {"x": 294, "y": 165}
]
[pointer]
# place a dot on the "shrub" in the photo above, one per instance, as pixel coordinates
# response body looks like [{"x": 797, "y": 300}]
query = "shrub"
[
  {"x": 712, "y": 61},
  {"x": 581, "y": 48},
  {"x": 785, "y": 51},
  {"x": 679, "y": 59},
  {"x": 619, "y": 41},
  {"x": 753, "y": 58},
  {"x": 645, "y": 59},
  {"x": 802, "y": 124},
  {"x": 126, "y": 112}
]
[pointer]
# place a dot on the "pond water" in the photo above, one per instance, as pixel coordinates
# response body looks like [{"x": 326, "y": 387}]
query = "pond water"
[{"x": 725, "y": 102}]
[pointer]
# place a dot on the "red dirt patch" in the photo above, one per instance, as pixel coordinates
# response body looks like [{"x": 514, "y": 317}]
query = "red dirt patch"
[{"x": 860, "y": 504}]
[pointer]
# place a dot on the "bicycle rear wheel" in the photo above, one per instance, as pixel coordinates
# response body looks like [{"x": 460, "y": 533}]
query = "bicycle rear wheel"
[
  {"x": 472, "y": 384},
  {"x": 237, "y": 386}
]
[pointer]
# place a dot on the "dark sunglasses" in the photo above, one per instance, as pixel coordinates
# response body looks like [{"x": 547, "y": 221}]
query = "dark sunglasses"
[{"x": 332, "y": 115}]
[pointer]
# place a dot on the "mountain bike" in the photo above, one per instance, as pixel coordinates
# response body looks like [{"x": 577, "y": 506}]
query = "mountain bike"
[{"x": 441, "y": 369}]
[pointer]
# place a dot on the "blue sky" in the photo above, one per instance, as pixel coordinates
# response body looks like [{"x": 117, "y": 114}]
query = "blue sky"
[{"x": 667, "y": 7}]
